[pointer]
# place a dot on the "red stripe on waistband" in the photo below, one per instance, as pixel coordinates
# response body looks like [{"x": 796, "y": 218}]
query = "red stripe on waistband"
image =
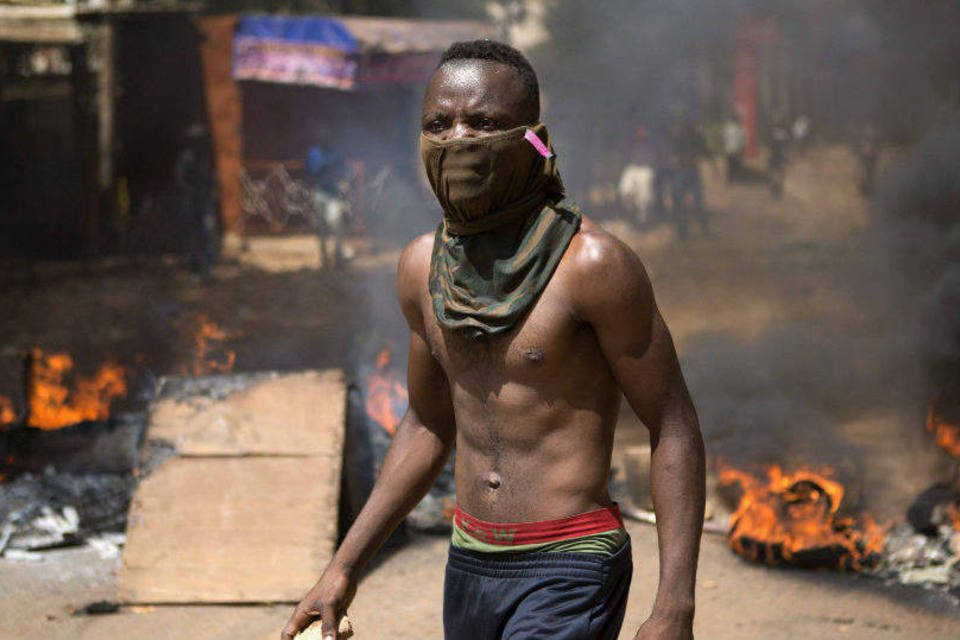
[{"x": 517, "y": 533}]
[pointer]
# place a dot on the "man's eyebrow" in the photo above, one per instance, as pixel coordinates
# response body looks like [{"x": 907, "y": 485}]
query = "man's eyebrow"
[
  {"x": 433, "y": 115},
  {"x": 487, "y": 112}
]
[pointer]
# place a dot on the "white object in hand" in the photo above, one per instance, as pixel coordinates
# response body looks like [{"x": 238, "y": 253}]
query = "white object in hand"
[{"x": 344, "y": 630}]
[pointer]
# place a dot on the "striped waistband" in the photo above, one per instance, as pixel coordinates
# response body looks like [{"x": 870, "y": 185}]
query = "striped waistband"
[{"x": 511, "y": 534}]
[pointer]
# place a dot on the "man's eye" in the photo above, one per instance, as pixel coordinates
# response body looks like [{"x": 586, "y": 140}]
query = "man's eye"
[
  {"x": 435, "y": 126},
  {"x": 486, "y": 124}
]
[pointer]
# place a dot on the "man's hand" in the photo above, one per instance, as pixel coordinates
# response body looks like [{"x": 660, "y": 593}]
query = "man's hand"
[
  {"x": 666, "y": 628},
  {"x": 327, "y": 600}
]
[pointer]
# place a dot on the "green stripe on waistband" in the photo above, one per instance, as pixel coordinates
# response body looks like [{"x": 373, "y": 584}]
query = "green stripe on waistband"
[{"x": 605, "y": 543}]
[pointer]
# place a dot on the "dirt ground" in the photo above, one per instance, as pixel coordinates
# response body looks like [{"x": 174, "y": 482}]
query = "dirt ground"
[
  {"x": 799, "y": 264},
  {"x": 401, "y": 599}
]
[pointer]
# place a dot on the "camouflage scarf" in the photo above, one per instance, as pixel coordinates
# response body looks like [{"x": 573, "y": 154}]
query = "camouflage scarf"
[{"x": 503, "y": 232}]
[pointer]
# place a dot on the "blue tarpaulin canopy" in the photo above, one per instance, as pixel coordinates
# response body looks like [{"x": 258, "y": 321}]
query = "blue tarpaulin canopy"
[
  {"x": 321, "y": 30},
  {"x": 344, "y": 51}
]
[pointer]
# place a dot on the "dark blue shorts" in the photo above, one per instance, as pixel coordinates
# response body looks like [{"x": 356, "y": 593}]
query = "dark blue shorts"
[{"x": 527, "y": 596}]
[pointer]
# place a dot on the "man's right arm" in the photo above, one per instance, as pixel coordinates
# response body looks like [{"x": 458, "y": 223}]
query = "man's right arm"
[{"x": 416, "y": 456}]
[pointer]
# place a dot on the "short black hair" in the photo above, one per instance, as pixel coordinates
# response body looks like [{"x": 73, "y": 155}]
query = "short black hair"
[{"x": 503, "y": 53}]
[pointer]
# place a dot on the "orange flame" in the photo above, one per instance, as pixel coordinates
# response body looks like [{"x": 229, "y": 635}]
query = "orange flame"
[
  {"x": 209, "y": 354},
  {"x": 385, "y": 393},
  {"x": 953, "y": 510},
  {"x": 7, "y": 414},
  {"x": 792, "y": 517},
  {"x": 946, "y": 433},
  {"x": 53, "y": 405}
]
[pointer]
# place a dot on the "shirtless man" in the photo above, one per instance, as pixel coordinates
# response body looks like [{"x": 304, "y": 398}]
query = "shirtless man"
[{"x": 527, "y": 322}]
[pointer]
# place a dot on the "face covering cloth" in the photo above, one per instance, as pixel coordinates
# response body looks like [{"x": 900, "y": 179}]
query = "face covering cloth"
[{"x": 505, "y": 227}]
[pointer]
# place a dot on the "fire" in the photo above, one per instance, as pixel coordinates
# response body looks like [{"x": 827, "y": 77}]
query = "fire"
[
  {"x": 946, "y": 433},
  {"x": 792, "y": 518},
  {"x": 7, "y": 414},
  {"x": 209, "y": 354},
  {"x": 386, "y": 393},
  {"x": 953, "y": 510},
  {"x": 53, "y": 405}
]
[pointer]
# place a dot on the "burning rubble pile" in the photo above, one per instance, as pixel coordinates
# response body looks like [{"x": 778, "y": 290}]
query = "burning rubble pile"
[
  {"x": 59, "y": 493},
  {"x": 793, "y": 518},
  {"x": 926, "y": 549},
  {"x": 69, "y": 460},
  {"x": 918, "y": 221}
]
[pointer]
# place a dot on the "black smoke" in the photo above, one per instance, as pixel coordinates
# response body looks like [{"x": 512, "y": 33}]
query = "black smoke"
[{"x": 918, "y": 225}]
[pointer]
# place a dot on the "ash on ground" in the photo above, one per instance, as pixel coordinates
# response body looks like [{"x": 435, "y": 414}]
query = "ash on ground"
[
  {"x": 52, "y": 509},
  {"x": 929, "y": 561},
  {"x": 212, "y": 386}
]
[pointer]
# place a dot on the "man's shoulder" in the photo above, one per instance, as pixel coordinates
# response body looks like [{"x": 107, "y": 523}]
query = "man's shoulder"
[
  {"x": 413, "y": 266},
  {"x": 595, "y": 252},
  {"x": 602, "y": 268},
  {"x": 416, "y": 255}
]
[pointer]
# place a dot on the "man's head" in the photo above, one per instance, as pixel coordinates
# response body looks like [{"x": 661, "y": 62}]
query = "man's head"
[
  {"x": 486, "y": 156},
  {"x": 480, "y": 87}
]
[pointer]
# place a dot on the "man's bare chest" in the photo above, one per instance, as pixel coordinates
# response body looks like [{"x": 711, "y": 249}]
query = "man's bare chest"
[{"x": 542, "y": 345}]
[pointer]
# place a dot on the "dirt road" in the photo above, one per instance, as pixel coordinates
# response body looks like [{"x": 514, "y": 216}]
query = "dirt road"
[{"x": 400, "y": 599}]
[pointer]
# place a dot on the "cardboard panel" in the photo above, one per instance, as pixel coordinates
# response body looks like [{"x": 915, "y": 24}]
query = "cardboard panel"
[{"x": 219, "y": 530}]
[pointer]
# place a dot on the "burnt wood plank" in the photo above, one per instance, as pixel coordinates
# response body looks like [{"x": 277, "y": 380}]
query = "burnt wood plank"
[{"x": 285, "y": 414}]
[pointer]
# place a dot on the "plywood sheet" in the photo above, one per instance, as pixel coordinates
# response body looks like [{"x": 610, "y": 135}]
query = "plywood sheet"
[
  {"x": 218, "y": 530},
  {"x": 297, "y": 414}
]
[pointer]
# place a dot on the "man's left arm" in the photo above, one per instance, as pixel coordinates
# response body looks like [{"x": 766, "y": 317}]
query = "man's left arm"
[{"x": 637, "y": 345}]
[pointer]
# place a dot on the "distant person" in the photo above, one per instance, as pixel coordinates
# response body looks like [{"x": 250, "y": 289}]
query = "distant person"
[
  {"x": 801, "y": 133},
  {"x": 778, "y": 140},
  {"x": 734, "y": 145},
  {"x": 687, "y": 148},
  {"x": 527, "y": 323},
  {"x": 196, "y": 200},
  {"x": 326, "y": 173},
  {"x": 324, "y": 168},
  {"x": 663, "y": 173},
  {"x": 635, "y": 189},
  {"x": 712, "y": 132}
]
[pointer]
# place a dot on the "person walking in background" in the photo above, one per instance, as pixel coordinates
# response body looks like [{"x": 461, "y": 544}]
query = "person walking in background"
[
  {"x": 734, "y": 144},
  {"x": 687, "y": 147},
  {"x": 778, "y": 139},
  {"x": 197, "y": 200},
  {"x": 801, "y": 133},
  {"x": 662, "y": 172},
  {"x": 635, "y": 189},
  {"x": 325, "y": 171}
]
